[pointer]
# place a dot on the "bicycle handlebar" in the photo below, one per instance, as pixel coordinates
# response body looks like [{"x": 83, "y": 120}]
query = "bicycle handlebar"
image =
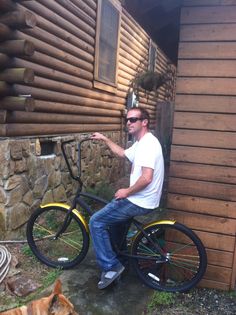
[{"x": 63, "y": 144}]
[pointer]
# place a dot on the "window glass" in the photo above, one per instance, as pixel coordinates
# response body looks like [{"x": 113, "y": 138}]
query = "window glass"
[{"x": 107, "y": 42}]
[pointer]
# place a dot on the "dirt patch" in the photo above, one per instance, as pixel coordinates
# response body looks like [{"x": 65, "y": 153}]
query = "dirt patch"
[
  {"x": 26, "y": 279},
  {"x": 196, "y": 302}
]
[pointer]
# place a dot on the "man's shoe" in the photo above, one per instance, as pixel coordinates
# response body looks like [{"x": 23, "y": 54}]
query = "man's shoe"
[{"x": 109, "y": 276}]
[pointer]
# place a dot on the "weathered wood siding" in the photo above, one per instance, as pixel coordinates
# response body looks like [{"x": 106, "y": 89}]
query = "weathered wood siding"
[
  {"x": 48, "y": 54},
  {"x": 202, "y": 184}
]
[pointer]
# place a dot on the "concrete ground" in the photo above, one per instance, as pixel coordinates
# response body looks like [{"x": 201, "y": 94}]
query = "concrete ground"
[{"x": 127, "y": 296}]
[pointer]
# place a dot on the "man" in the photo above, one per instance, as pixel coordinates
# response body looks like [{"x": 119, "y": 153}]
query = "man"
[{"x": 139, "y": 198}]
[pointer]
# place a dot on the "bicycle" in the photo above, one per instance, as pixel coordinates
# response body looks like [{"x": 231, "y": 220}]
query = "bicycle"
[{"x": 166, "y": 255}]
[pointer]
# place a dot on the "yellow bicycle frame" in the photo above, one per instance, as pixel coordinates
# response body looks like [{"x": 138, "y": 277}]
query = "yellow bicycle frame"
[{"x": 67, "y": 207}]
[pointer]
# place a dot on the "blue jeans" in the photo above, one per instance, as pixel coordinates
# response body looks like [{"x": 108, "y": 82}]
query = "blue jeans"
[{"x": 117, "y": 211}]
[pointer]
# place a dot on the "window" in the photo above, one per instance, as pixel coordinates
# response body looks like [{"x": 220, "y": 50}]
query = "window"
[
  {"x": 152, "y": 56},
  {"x": 107, "y": 43}
]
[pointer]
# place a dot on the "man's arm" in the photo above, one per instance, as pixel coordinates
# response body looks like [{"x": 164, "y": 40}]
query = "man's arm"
[
  {"x": 115, "y": 148},
  {"x": 143, "y": 181}
]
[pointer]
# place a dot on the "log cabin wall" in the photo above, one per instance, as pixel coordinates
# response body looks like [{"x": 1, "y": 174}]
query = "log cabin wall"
[
  {"x": 48, "y": 55},
  {"x": 202, "y": 183},
  {"x": 47, "y": 90}
]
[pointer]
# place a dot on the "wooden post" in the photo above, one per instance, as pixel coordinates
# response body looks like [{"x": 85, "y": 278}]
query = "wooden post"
[
  {"x": 65, "y": 108},
  {"x": 78, "y": 12},
  {"x": 65, "y": 19},
  {"x": 55, "y": 52},
  {"x": 19, "y": 19},
  {"x": 17, "y": 103},
  {"x": 51, "y": 129},
  {"x": 52, "y": 118},
  {"x": 53, "y": 74},
  {"x": 17, "y": 48},
  {"x": 17, "y": 75},
  {"x": 52, "y": 63}
]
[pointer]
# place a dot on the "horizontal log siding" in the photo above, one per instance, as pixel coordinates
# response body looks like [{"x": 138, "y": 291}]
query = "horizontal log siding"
[
  {"x": 202, "y": 184},
  {"x": 61, "y": 56}
]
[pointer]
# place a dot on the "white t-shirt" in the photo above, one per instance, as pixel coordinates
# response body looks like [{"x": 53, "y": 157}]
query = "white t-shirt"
[{"x": 146, "y": 152}]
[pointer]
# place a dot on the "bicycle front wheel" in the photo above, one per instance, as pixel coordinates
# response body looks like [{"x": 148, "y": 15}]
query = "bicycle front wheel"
[
  {"x": 65, "y": 251},
  {"x": 179, "y": 267}
]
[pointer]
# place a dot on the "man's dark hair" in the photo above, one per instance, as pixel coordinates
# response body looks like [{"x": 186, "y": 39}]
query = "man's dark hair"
[{"x": 143, "y": 113}]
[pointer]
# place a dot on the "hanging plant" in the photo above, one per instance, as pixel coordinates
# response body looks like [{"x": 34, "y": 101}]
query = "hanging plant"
[{"x": 149, "y": 81}]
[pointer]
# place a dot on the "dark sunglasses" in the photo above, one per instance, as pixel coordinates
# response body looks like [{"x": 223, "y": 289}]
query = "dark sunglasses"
[{"x": 133, "y": 119}]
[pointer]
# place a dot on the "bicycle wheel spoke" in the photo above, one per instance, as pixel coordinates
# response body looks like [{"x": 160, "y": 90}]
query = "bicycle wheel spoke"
[
  {"x": 64, "y": 251},
  {"x": 181, "y": 263}
]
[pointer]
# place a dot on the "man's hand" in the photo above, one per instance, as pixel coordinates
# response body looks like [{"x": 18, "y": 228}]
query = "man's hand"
[
  {"x": 115, "y": 148},
  {"x": 122, "y": 193},
  {"x": 98, "y": 136}
]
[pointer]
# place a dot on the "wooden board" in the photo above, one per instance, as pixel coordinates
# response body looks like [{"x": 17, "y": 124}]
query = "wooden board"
[
  {"x": 212, "y": 173},
  {"x": 212, "y": 190},
  {"x": 210, "y": 139},
  {"x": 216, "y": 241},
  {"x": 205, "y": 223},
  {"x": 212, "y": 284},
  {"x": 207, "y": 68},
  {"x": 208, "y": 32},
  {"x": 207, "y": 156},
  {"x": 207, "y": 50},
  {"x": 205, "y": 121},
  {"x": 202, "y": 205},
  {"x": 202, "y": 14},
  {"x": 213, "y": 86},
  {"x": 222, "y": 274},
  {"x": 220, "y": 258},
  {"x": 208, "y": 2},
  {"x": 205, "y": 103}
]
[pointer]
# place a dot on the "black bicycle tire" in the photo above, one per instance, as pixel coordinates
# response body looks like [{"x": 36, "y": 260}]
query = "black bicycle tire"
[
  {"x": 33, "y": 244},
  {"x": 195, "y": 239}
]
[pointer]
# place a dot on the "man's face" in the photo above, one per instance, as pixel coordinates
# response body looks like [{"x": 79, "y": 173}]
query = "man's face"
[{"x": 134, "y": 122}]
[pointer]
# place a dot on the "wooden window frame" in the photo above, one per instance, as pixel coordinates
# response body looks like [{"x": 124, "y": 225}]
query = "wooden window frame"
[
  {"x": 152, "y": 45},
  {"x": 98, "y": 82}
]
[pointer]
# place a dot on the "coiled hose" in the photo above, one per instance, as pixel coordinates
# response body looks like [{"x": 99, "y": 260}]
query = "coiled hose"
[{"x": 5, "y": 259}]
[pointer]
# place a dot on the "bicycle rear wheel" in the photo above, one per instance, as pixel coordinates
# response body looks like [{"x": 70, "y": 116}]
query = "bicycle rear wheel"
[
  {"x": 184, "y": 262},
  {"x": 66, "y": 251}
]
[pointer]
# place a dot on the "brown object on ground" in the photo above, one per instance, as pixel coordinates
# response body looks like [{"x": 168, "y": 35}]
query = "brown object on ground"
[{"x": 56, "y": 303}]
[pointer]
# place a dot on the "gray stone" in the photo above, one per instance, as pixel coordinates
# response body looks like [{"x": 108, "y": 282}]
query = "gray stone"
[
  {"x": 28, "y": 198},
  {"x": 14, "y": 196},
  {"x": 21, "y": 286},
  {"x": 17, "y": 215},
  {"x": 26, "y": 148},
  {"x": 59, "y": 194},
  {"x": 2, "y": 218},
  {"x": 48, "y": 197},
  {"x": 20, "y": 166},
  {"x": 13, "y": 182},
  {"x": 3, "y": 196},
  {"x": 40, "y": 187},
  {"x": 16, "y": 150}
]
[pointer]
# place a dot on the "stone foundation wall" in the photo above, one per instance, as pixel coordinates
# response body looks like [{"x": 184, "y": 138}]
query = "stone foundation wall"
[{"x": 33, "y": 171}]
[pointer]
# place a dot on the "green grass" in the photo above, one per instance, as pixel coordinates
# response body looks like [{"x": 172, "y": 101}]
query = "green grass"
[
  {"x": 27, "y": 251},
  {"x": 160, "y": 299}
]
